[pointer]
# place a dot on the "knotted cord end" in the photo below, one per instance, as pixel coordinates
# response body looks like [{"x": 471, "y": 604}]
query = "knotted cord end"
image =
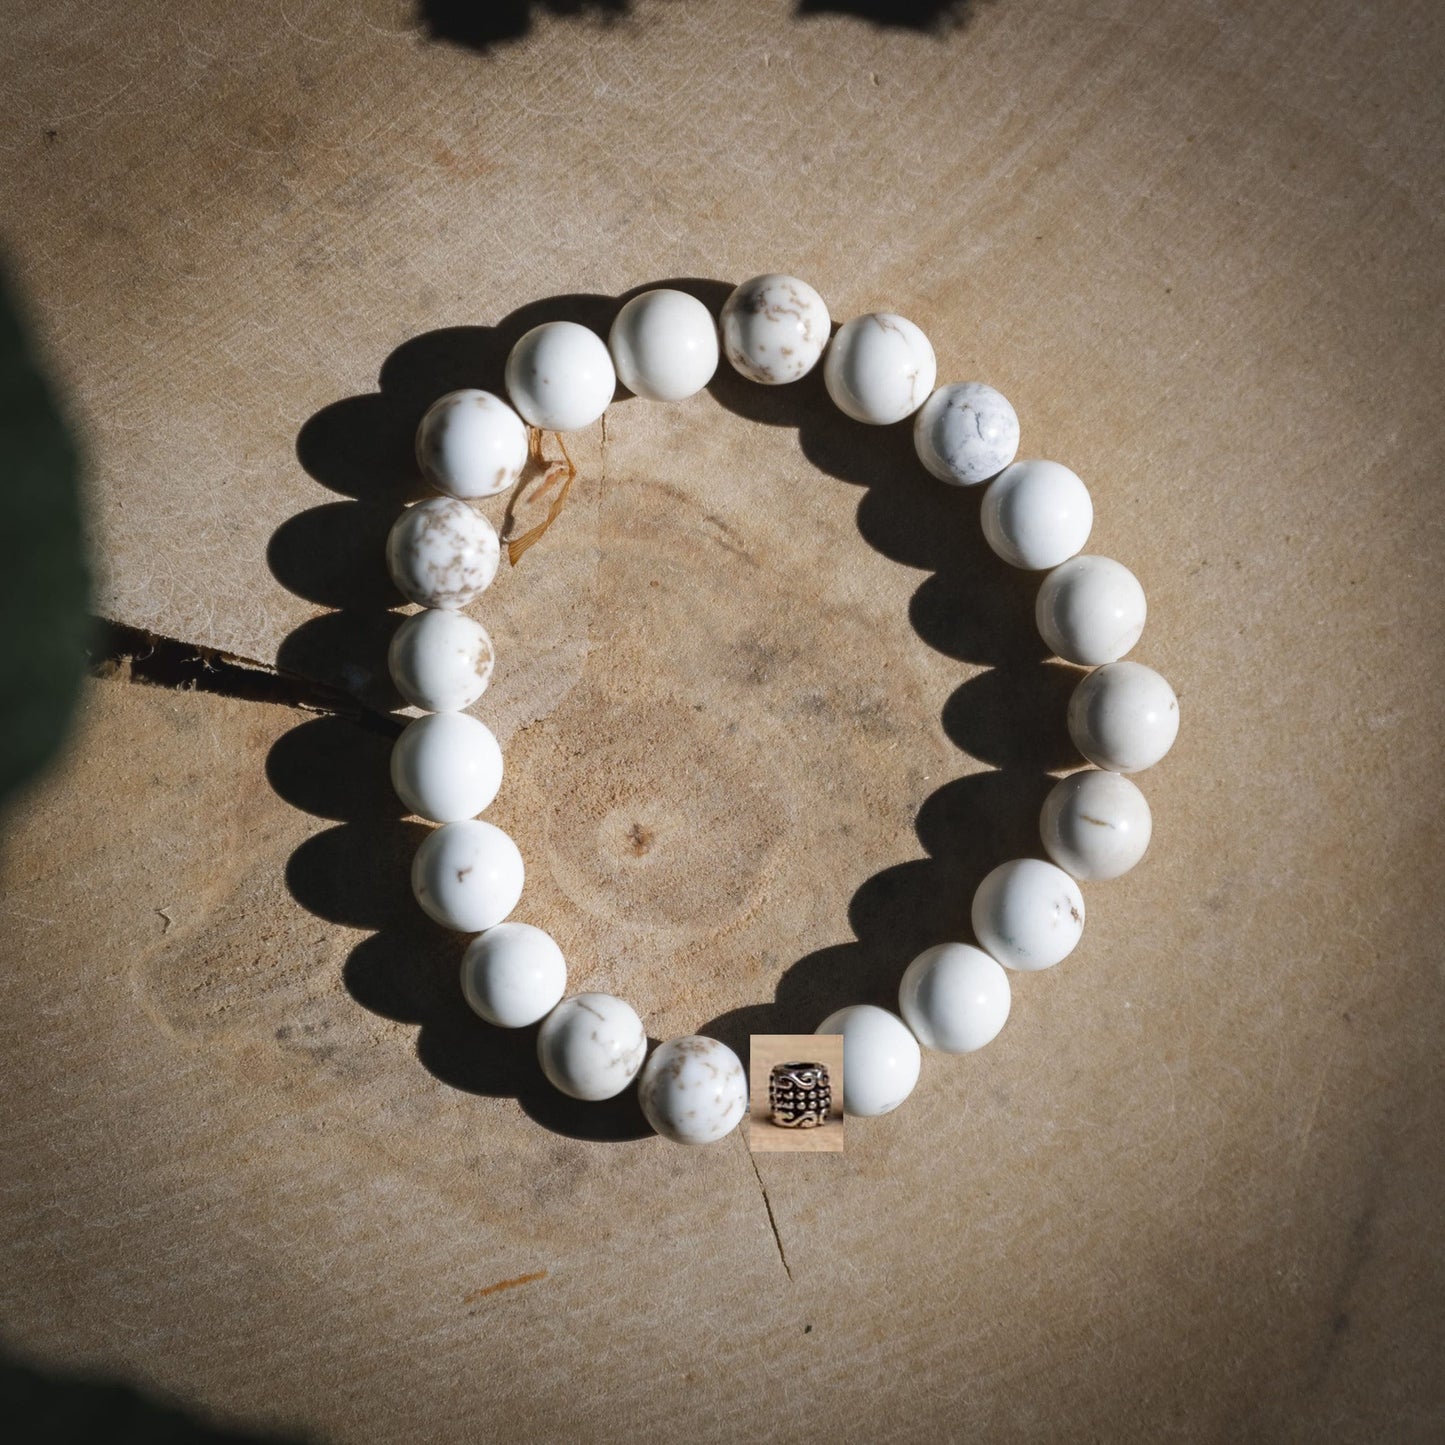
[{"x": 563, "y": 471}]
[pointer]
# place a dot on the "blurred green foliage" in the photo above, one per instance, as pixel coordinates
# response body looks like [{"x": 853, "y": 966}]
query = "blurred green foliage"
[{"x": 44, "y": 579}]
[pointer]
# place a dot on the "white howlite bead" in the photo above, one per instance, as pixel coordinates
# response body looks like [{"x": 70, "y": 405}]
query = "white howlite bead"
[
  {"x": 954, "y": 997},
  {"x": 441, "y": 661},
  {"x": 880, "y": 368},
  {"x": 881, "y": 1058},
  {"x": 693, "y": 1090},
  {"x": 1090, "y": 610},
  {"x": 774, "y": 328},
  {"x": 664, "y": 345},
  {"x": 441, "y": 553},
  {"x": 446, "y": 766},
  {"x": 467, "y": 875},
  {"x": 591, "y": 1046},
  {"x": 966, "y": 433},
  {"x": 1036, "y": 514},
  {"x": 1028, "y": 914},
  {"x": 471, "y": 444},
  {"x": 1123, "y": 717},
  {"x": 560, "y": 376},
  {"x": 513, "y": 975},
  {"x": 1095, "y": 825}
]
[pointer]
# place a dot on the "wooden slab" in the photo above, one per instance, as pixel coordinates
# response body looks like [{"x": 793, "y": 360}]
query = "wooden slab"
[{"x": 260, "y": 1159}]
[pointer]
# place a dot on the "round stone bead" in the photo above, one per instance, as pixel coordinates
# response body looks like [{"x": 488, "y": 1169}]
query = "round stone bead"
[
  {"x": 1036, "y": 514},
  {"x": 881, "y": 1058},
  {"x": 880, "y": 368},
  {"x": 440, "y": 660},
  {"x": 1090, "y": 610},
  {"x": 471, "y": 444},
  {"x": 446, "y": 766},
  {"x": 966, "y": 433},
  {"x": 774, "y": 328},
  {"x": 693, "y": 1090},
  {"x": 664, "y": 345},
  {"x": 1123, "y": 717},
  {"x": 1095, "y": 825},
  {"x": 560, "y": 376},
  {"x": 955, "y": 998},
  {"x": 1028, "y": 914},
  {"x": 467, "y": 875},
  {"x": 591, "y": 1046},
  {"x": 513, "y": 975},
  {"x": 441, "y": 553}
]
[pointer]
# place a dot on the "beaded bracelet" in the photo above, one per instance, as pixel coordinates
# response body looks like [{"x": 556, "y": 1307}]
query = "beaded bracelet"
[{"x": 447, "y": 767}]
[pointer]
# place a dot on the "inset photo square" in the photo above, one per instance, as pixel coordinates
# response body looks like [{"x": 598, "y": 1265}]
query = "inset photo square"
[{"x": 795, "y": 1093}]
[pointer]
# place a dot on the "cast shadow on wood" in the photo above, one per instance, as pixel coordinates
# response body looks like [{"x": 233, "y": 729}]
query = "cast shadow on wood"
[
  {"x": 481, "y": 27},
  {"x": 971, "y": 606},
  {"x": 357, "y": 873}
]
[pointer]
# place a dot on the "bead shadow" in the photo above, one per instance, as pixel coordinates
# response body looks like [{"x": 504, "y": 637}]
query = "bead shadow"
[
  {"x": 363, "y": 448},
  {"x": 971, "y": 607},
  {"x": 967, "y": 827},
  {"x": 357, "y": 873}
]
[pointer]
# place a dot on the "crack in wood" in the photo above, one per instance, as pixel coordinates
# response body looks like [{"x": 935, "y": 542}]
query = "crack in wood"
[
  {"x": 772, "y": 1219},
  {"x": 133, "y": 654}
]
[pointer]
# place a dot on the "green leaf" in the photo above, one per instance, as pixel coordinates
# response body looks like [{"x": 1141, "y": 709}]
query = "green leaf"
[{"x": 44, "y": 579}]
